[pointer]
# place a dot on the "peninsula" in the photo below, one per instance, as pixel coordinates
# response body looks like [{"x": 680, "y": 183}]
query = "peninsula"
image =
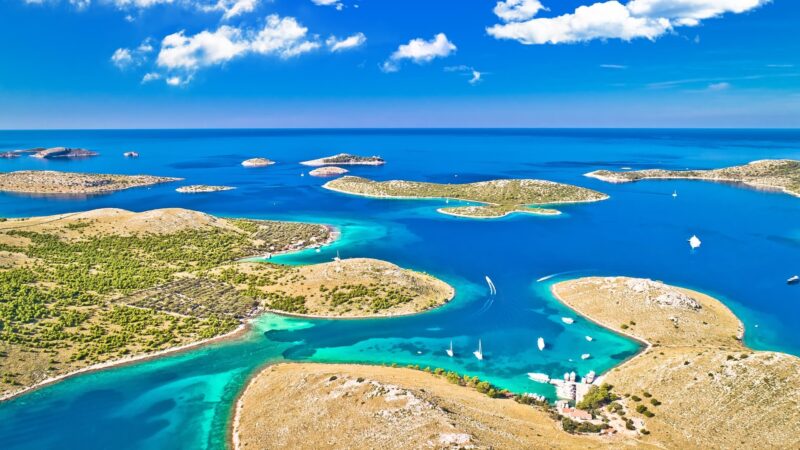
[
  {"x": 347, "y": 288},
  {"x": 73, "y": 183},
  {"x": 50, "y": 153},
  {"x": 772, "y": 174},
  {"x": 498, "y": 197},
  {"x": 91, "y": 289},
  {"x": 346, "y": 159},
  {"x": 257, "y": 162},
  {"x": 695, "y": 377},
  {"x": 200, "y": 188},
  {"x": 72, "y": 285}
]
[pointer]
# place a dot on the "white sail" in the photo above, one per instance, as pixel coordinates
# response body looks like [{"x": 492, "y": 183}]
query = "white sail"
[
  {"x": 694, "y": 242},
  {"x": 479, "y": 352},
  {"x": 540, "y": 343}
]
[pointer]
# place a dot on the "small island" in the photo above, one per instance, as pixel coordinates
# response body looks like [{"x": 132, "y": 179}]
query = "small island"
[
  {"x": 328, "y": 171},
  {"x": 771, "y": 174},
  {"x": 73, "y": 183},
  {"x": 257, "y": 162},
  {"x": 499, "y": 198},
  {"x": 200, "y": 188},
  {"x": 346, "y": 159},
  {"x": 695, "y": 377},
  {"x": 63, "y": 152}
]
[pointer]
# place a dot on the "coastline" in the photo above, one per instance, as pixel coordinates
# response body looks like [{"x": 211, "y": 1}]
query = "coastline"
[
  {"x": 240, "y": 330},
  {"x": 478, "y": 203},
  {"x": 752, "y": 184}
]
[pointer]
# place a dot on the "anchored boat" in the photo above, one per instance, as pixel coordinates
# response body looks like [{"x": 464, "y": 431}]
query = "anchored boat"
[{"x": 479, "y": 352}]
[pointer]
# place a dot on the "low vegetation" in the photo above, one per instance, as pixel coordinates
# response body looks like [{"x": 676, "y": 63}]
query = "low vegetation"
[
  {"x": 781, "y": 174},
  {"x": 498, "y": 197}
]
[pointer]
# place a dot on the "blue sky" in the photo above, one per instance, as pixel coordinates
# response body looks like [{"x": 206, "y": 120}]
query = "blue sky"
[{"x": 410, "y": 63}]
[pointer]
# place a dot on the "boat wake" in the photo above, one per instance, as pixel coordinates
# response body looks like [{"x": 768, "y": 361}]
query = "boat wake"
[
  {"x": 553, "y": 275},
  {"x": 492, "y": 288}
]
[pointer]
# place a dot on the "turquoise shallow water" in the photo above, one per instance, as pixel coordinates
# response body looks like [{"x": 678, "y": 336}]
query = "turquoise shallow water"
[{"x": 750, "y": 245}]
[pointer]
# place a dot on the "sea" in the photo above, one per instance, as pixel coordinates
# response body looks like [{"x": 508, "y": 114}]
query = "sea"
[{"x": 750, "y": 246}]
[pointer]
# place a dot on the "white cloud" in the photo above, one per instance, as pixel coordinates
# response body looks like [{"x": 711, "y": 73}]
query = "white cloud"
[
  {"x": 232, "y": 8},
  {"x": 476, "y": 77},
  {"x": 517, "y": 10},
  {"x": 284, "y": 37},
  {"x": 336, "y": 45},
  {"x": 150, "y": 76},
  {"x": 420, "y": 51},
  {"x": 125, "y": 57},
  {"x": 206, "y": 48},
  {"x": 335, "y": 3},
  {"x": 183, "y": 55},
  {"x": 613, "y": 66},
  {"x": 612, "y": 20},
  {"x": 122, "y": 58}
]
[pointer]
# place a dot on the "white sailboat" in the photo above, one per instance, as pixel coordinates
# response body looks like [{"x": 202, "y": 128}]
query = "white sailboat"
[
  {"x": 568, "y": 320},
  {"x": 450, "y": 350},
  {"x": 586, "y": 356},
  {"x": 694, "y": 242},
  {"x": 540, "y": 343},
  {"x": 479, "y": 352}
]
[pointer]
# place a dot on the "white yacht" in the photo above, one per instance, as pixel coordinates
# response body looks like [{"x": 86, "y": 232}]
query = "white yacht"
[
  {"x": 793, "y": 280},
  {"x": 539, "y": 377},
  {"x": 568, "y": 320},
  {"x": 540, "y": 343},
  {"x": 694, "y": 242},
  {"x": 586, "y": 356},
  {"x": 450, "y": 350},
  {"x": 479, "y": 352},
  {"x": 674, "y": 194},
  {"x": 589, "y": 338}
]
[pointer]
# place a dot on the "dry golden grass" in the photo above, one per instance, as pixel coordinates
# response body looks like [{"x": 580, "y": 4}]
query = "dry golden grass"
[
  {"x": 319, "y": 406},
  {"x": 715, "y": 392}
]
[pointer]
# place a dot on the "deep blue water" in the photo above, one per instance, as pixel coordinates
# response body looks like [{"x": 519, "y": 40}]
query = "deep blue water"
[{"x": 751, "y": 242}]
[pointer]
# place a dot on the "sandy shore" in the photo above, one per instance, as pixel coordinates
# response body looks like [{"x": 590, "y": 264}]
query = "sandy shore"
[{"x": 239, "y": 331}]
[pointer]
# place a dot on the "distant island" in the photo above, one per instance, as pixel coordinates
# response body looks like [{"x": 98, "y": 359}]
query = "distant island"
[
  {"x": 257, "y": 162},
  {"x": 54, "y": 182},
  {"x": 695, "y": 385},
  {"x": 499, "y": 198},
  {"x": 346, "y": 159},
  {"x": 199, "y": 188},
  {"x": 774, "y": 174},
  {"x": 328, "y": 171},
  {"x": 50, "y": 153}
]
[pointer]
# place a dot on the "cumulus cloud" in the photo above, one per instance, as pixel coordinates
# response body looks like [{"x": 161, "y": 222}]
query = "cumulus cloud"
[
  {"x": 420, "y": 51},
  {"x": 716, "y": 87},
  {"x": 517, "y": 10},
  {"x": 337, "y": 45},
  {"x": 181, "y": 55},
  {"x": 647, "y": 19},
  {"x": 150, "y": 76}
]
